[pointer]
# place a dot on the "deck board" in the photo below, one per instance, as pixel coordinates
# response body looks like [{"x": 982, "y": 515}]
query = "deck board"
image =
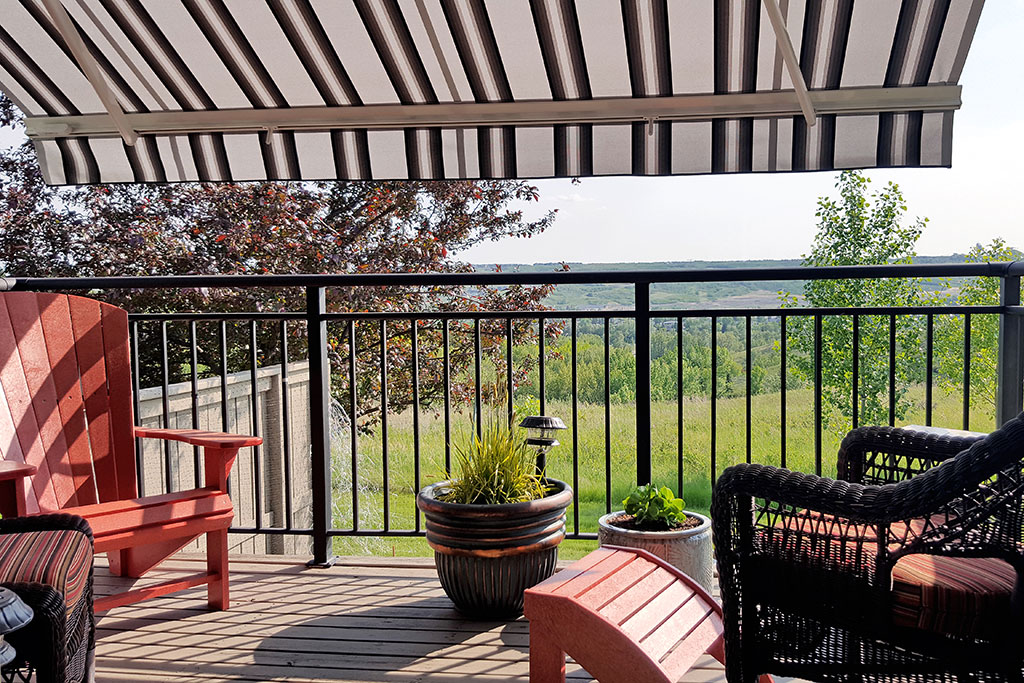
[{"x": 357, "y": 621}]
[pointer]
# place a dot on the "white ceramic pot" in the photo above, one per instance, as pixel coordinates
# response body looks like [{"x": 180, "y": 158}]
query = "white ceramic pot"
[{"x": 687, "y": 549}]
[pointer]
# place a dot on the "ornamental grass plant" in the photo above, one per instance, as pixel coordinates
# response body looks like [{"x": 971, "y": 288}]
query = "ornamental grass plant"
[{"x": 494, "y": 467}]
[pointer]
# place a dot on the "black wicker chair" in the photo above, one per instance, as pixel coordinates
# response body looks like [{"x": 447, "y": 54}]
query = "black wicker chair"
[
  {"x": 908, "y": 567},
  {"x": 58, "y": 644}
]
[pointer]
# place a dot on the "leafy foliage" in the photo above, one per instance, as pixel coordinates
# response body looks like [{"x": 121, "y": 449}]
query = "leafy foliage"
[
  {"x": 949, "y": 330},
  {"x": 858, "y": 229},
  {"x": 653, "y": 506},
  {"x": 493, "y": 468}
]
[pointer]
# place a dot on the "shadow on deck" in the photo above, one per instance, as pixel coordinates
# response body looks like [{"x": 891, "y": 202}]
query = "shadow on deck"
[{"x": 362, "y": 620}]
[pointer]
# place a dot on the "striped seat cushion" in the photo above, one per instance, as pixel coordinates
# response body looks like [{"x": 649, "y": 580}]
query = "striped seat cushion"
[
  {"x": 960, "y": 596},
  {"x": 58, "y": 558}
]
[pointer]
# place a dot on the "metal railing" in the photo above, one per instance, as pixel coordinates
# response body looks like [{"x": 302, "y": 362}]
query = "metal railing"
[{"x": 318, "y": 321}]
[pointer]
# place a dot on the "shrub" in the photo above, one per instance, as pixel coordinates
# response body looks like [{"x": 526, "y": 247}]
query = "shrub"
[
  {"x": 495, "y": 467},
  {"x": 652, "y": 506}
]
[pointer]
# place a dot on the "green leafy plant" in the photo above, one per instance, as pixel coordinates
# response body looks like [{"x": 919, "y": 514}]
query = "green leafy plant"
[
  {"x": 494, "y": 467},
  {"x": 650, "y": 505}
]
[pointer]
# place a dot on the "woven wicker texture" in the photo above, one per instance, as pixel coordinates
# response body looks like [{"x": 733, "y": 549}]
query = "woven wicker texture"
[{"x": 806, "y": 563}]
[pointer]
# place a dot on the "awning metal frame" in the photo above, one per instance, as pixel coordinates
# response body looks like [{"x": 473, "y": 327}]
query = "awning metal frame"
[
  {"x": 785, "y": 46},
  {"x": 776, "y": 104},
  {"x": 71, "y": 36}
]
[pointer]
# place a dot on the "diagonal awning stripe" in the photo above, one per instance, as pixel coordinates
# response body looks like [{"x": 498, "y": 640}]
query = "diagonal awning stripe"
[{"x": 223, "y": 90}]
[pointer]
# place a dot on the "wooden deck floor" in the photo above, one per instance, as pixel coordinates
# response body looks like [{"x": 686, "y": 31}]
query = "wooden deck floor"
[{"x": 358, "y": 621}]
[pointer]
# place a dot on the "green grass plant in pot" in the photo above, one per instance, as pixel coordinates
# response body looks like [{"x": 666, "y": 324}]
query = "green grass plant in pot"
[
  {"x": 494, "y": 524},
  {"x": 655, "y": 520}
]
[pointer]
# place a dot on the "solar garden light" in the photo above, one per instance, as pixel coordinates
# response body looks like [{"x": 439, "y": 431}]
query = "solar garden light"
[
  {"x": 14, "y": 614},
  {"x": 542, "y": 430}
]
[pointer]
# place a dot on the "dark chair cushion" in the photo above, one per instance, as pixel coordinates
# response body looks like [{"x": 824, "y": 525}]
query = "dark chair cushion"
[{"x": 959, "y": 596}]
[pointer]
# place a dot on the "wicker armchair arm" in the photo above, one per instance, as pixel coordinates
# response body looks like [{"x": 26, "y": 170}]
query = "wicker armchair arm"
[
  {"x": 885, "y": 455},
  {"x": 831, "y": 496}
]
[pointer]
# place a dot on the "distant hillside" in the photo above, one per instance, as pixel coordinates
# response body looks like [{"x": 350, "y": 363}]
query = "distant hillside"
[{"x": 681, "y": 295}]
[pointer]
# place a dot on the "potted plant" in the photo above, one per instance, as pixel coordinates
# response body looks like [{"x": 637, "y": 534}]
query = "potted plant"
[
  {"x": 494, "y": 524},
  {"x": 654, "y": 519}
]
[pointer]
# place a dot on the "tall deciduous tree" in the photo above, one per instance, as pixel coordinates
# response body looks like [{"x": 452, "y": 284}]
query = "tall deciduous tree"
[
  {"x": 859, "y": 228},
  {"x": 279, "y": 227},
  {"x": 984, "y": 338}
]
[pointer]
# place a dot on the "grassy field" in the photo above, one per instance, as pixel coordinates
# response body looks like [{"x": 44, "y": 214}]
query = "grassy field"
[{"x": 590, "y": 474}]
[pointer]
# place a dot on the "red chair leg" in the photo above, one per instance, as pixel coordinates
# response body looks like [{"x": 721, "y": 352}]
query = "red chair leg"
[
  {"x": 217, "y": 566},
  {"x": 547, "y": 661}
]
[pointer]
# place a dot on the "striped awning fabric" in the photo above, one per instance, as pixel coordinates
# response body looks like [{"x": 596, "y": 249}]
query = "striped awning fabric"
[{"x": 233, "y": 90}]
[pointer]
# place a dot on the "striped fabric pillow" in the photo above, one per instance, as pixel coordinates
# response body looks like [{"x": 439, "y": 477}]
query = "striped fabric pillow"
[
  {"x": 967, "y": 597},
  {"x": 57, "y": 558}
]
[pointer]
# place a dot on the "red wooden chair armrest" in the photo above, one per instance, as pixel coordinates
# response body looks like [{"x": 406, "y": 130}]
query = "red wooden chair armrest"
[
  {"x": 199, "y": 437},
  {"x": 10, "y": 471}
]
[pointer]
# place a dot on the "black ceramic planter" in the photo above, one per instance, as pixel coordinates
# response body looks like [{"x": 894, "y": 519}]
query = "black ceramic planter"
[{"x": 487, "y": 555}]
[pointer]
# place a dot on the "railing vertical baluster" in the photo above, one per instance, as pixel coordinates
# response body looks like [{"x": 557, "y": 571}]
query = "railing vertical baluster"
[
  {"x": 929, "y": 367},
  {"x": 607, "y": 417},
  {"x": 136, "y": 406},
  {"x": 286, "y": 428},
  {"x": 320, "y": 425},
  {"x": 353, "y": 420},
  {"x": 165, "y": 403},
  {"x": 510, "y": 389},
  {"x": 256, "y": 465},
  {"x": 642, "y": 306},
  {"x": 385, "y": 478},
  {"x": 817, "y": 395},
  {"x": 1010, "y": 364},
  {"x": 892, "y": 369},
  {"x": 194, "y": 380},
  {"x": 967, "y": 371},
  {"x": 714, "y": 398},
  {"x": 782, "y": 391},
  {"x": 225, "y": 423},
  {"x": 446, "y": 370},
  {"x": 478, "y": 408},
  {"x": 679, "y": 405},
  {"x": 575, "y": 437},
  {"x": 855, "y": 398},
  {"x": 542, "y": 393},
  {"x": 749, "y": 370},
  {"x": 416, "y": 413}
]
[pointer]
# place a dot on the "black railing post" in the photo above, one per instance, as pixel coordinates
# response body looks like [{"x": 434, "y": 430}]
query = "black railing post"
[
  {"x": 1010, "y": 367},
  {"x": 319, "y": 424},
  {"x": 642, "y": 305}
]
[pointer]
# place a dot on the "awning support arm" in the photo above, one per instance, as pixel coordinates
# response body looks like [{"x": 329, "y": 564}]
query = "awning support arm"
[
  {"x": 792, "y": 63},
  {"x": 67, "y": 29}
]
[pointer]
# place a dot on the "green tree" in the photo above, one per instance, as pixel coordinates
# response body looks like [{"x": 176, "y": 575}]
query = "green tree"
[
  {"x": 858, "y": 229},
  {"x": 949, "y": 329}
]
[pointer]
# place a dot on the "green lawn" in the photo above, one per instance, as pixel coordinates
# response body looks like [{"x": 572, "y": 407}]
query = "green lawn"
[{"x": 590, "y": 492}]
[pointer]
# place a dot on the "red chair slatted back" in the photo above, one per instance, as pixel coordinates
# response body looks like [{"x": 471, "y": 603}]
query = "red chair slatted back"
[{"x": 66, "y": 398}]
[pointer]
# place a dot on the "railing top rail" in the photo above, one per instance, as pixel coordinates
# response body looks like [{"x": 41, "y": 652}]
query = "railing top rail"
[
  {"x": 797, "y": 273},
  {"x": 556, "y": 314}
]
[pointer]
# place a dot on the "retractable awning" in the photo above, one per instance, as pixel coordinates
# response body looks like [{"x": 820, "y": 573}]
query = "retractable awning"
[{"x": 217, "y": 90}]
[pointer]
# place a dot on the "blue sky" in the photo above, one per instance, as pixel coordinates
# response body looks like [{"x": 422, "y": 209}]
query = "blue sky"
[{"x": 772, "y": 216}]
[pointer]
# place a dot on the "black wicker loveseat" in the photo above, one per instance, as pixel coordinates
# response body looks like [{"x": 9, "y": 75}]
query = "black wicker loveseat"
[{"x": 907, "y": 567}]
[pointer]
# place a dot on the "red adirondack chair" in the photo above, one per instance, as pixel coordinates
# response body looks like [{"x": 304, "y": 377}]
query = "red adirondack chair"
[{"x": 67, "y": 443}]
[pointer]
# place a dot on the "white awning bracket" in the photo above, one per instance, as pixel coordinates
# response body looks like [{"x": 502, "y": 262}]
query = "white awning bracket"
[
  {"x": 67, "y": 29},
  {"x": 792, "y": 63}
]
